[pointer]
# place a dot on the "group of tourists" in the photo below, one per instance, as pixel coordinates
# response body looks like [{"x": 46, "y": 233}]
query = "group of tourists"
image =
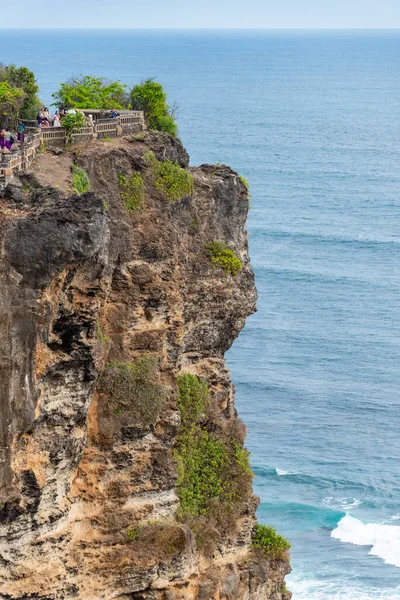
[
  {"x": 45, "y": 119},
  {"x": 7, "y": 139}
]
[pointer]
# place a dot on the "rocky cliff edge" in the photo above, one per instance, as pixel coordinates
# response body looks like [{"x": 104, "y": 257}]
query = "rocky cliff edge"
[{"x": 122, "y": 468}]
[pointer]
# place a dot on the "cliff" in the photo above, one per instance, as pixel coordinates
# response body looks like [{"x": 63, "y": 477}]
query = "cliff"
[{"x": 122, "y": 468}]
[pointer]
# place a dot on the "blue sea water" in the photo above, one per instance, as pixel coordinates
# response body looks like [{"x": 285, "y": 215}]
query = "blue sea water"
[{"x": 312, "y": 119}]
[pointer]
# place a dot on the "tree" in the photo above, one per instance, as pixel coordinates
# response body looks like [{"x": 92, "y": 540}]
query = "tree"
[
  {"x": 11, "y": 102},
  {"x": 91, "y": 92},
  {"x": 150, "y": 97},
  {"x": 23, "y": 79}
]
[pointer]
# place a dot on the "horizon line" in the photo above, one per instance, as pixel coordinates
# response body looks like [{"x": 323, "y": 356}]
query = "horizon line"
[{"x": 200, "y": 28}]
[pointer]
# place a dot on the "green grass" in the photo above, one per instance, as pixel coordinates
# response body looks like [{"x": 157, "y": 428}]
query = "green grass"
[
  {"x": 266, "y": 539},
  {"x": 80, "y": 180},
  {"x": 133, "y": 191},
  {"x": 221, "y": 256},
  {"x": 170, "y": 179}
]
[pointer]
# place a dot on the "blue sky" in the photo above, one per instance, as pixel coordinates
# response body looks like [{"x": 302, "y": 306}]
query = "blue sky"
[{"x": 201, "y": 13}]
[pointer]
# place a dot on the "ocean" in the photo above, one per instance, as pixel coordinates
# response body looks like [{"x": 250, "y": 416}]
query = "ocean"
[{"x": 312, "y": 120}]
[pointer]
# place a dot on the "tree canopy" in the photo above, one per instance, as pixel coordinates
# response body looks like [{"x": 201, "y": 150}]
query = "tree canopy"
[
  {"x": 150, "y": 97},
  {"x": 91, "y": 92},
  {"x": 11, "y": 102},
  {"x": 22, "y": 79}
]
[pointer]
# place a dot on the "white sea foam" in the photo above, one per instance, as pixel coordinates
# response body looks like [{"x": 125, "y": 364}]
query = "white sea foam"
[
  {"x": 343, "y": 503},
  {"x": 383, "y": 539},
  {"x": 309, "y": 589},
  {"x": 282, "y": 472}
]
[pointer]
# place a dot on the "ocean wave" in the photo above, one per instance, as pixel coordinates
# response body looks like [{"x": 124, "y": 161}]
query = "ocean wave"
[
  {"x": 327, "y": 238},
  {"x": 383, "y": 539},
  {"x": 283, "y": 473},
  {"x": 343, "y": 486},
  {"x": 308, "y": 516},
  {"x": 310, "y": 589},
  {"x": 343, "y": 503}
]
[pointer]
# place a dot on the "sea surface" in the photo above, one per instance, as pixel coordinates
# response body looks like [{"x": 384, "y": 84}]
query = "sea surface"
[{"x": 312, "y": 119}]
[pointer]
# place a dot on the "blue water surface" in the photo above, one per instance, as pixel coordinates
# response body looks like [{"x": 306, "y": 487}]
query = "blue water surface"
[{"x": 312, "y": 119}]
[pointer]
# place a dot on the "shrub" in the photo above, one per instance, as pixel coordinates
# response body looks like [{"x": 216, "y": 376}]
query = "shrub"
[
  {"x": 170, "y": 179},
  {"x": 80, "y": 180},
  {"x": 21, "y": 78},
  {"x": 245, "y": 183},
  {"x": 133, "y": 533},
  {"x": 11, "y": 102},
  {"x": 214, "y": 476},
  {"x": 91, "y": 92},
  {"x": 134, "y": 387},
  {"x": 221, "y": 256},
  {"x": 160, "y": 540},
  {"x": 132, "y": 191},
  {"x": 266, "y": 539},
  {"x": 150, "y": 97},
  {"x": 73, "y": 121}
]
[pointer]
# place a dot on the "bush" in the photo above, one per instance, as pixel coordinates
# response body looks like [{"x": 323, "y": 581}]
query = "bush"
[
  {"x": 80, "y": 180},
  {"x": 170, "y": 179},
  {"x": 11, "y": 102},
  {"x": 134, "y": 387},
  {"x": 221, "y": 256},
  {"x": 266, "y": 539},
  {"x": 24, "y": 80},
  {"x": 214, "y": 476},
  {"x": 132, "y": 191},
  {"x": 150, "y": 97},
  {"x": 160, "y": 540},
  {"x": 73, "y": 121},
  {"x": 91, "y": 92}
]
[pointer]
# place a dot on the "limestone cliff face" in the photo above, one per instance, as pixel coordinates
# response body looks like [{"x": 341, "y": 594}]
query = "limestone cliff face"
[{"x": 89, "y": 503}]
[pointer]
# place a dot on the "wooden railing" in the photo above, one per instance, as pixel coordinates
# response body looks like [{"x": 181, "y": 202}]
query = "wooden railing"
[{"x": 126, "y": 122}]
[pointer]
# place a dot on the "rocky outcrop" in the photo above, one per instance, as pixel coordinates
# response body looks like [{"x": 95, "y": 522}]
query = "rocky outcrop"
[{"x": 91, "y": 290}]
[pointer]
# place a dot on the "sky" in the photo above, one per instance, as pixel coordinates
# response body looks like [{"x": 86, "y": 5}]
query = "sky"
[{"x": 235, "y": 14}]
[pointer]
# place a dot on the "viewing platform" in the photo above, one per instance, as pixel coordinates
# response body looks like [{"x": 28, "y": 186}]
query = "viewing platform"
[{"x": 37, "y": 138}]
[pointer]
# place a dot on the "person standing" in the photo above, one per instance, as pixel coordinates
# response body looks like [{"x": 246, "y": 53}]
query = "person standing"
[
  {"x": 8, "y": 139},
  {"x": 21, "y": 132},
  {"x": 56, "y": 121}
]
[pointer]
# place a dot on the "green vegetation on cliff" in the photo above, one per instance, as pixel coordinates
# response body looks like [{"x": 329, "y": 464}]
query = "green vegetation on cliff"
[
  {"x": 221, "y": 256},
  {"x": 18, "y": 93},
  {"x": 214, "y": 474},
  {"x": 266, "y": 539},
  {"x": 132, "y": 191},
  {"x": 80, "y": 180},
  {"x": 150, "y": 97},
  {"x": 134, "y": 387},
  {"x": 91, "y": 92},
  {"x": 170, "y": 179}
]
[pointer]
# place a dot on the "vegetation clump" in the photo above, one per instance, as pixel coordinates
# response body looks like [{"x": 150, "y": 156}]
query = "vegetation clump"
[
  {"x": 214, "y": 476},
  {"x": 134, "y": 387},
  {"x": 160, "y": 539},
  {"x": 266, "y": 539},
  {"x": 80, "y": 180},
  {"x": 132, "y": 191},
  {"x": 91, "y": 92},
  {"x": 149, "y": 96},
  {"x": 18, "y": 94},
  {"x": 245, "y": 183},
  {"x": 170, "y": 179},
  {"x": 221, "y": 256}
]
